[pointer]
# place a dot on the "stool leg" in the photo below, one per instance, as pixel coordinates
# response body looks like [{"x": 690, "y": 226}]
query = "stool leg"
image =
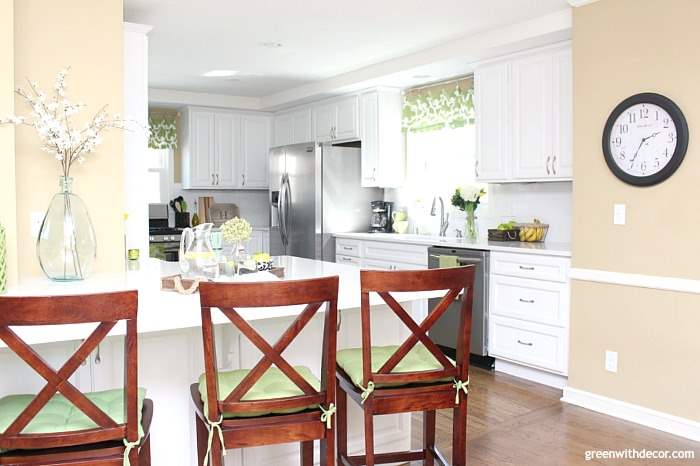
[
  {"x": 342, "y": 423},
  {"x": 328, "y": 447},
  {"x": 307, "y": 453},
  {"x": 217, "y": 458},
  {"x": 459, "y": 434},
  {"x": 369, "y": 434},
  {"x": 202, "y": 435},
  {"x": 145, "y": 453},
  {"x": 428, "y": 436}
]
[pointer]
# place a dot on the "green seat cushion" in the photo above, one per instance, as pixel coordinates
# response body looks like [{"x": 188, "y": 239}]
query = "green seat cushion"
[
  {"x": 272, "y": 385},
  {"x": 60, "y": 415},
  {"x": 418, "y": 359}
]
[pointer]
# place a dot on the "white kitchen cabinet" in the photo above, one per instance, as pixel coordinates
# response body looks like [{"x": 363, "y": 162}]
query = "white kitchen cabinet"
[
  {"x": 283, "y": 133},
  {"x": 381, "y": 255},
  {"x": 336, "y": 119},
  {"x": 524, "y": 117},
  {"x": 225, "y": 150},
  {"x": 493, "y": 122},
  {"x": 293, "y": 127},
  {"x": 254, "y": 151},
  {"x": 383, "y": 142},
  {"x": 259, "y": 241}
]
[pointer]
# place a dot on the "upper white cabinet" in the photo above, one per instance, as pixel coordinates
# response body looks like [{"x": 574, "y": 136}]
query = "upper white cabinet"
[
  {"x": 383, "y": 146},
  {"x": 224, "y": 150},
  {"x": 336, "y": 119},
  {"x": 293, "y": 127},
  {"x": 524, "y": 117}
]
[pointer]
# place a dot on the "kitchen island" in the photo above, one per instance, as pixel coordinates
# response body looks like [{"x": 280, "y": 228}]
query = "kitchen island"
[{"x": 170, "y": 351}]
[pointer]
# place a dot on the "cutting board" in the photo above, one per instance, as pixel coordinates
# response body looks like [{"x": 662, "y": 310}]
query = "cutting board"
[{"x": 220, "y": 213}]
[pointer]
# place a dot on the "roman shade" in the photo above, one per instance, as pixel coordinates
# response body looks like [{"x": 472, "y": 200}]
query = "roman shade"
[{"x": 449, "y": 104}]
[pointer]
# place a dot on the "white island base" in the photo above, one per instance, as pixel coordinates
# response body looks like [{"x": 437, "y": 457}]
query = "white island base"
[{"x": 170, "y": 356}]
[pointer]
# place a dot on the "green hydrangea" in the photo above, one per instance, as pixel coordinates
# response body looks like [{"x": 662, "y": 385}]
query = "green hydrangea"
[{"x": 236, "y": 229}]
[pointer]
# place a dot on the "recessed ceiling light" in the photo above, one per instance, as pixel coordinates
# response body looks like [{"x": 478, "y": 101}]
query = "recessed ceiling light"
[
  {"x": 272, "y": 45},
  {"x": 220, "y": 73}
]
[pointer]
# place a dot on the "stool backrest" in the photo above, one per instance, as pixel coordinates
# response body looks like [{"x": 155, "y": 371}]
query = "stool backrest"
[
  {"x": 229, "y": 296},
  {"x": 105, "y": 309},
  {"x": 455, "y": 281}
]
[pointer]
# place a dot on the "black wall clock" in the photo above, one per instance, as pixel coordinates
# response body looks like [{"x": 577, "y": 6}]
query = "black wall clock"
[{"x": 645, "y": 139}]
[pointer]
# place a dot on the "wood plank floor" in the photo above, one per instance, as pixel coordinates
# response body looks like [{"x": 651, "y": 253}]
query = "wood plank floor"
[{"x": 516, "y": 422}]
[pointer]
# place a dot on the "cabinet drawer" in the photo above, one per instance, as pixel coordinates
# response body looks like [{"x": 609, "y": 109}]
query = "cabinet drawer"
[
  {"x": 532, "y": 300},
  {"x": 340, "y": 259},
  {"x": 554, "y": 269},
  {"x": 537, "y": 345},
  {"x": 393, "y": 252},
  {"x": 347, "y": 247}
]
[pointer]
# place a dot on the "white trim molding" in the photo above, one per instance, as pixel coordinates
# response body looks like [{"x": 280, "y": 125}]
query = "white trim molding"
[
  {"x": 656, "y": 282},
  {"x": 578, "y": 3},
  {"x": 675, "y": 425},
  {"x": 531, "y": 374}
]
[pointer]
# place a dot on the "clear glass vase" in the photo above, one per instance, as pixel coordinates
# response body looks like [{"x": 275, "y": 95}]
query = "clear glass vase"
[
  {"x": 66, "y": 246},
  {"x": 471, "y": 231}
]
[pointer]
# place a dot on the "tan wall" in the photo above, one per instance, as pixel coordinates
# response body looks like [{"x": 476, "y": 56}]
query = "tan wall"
[
  {"x": 623, "y": 47},
  {"x": 8, "y": 216},
  {"x": 87, "y": 35}
]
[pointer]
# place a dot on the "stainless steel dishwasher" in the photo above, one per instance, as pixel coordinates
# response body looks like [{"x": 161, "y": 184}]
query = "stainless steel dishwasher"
[{"x": 444, "y": 332}]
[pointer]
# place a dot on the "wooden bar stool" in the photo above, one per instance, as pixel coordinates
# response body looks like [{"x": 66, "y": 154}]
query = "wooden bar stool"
[
  {"x": 61, "y": 425},
  {"x": 267, "y": 405},
  {"x": 415, "y": 376}
]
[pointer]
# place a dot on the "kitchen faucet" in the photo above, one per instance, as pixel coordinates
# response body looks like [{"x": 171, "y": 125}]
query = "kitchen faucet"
[{"x": 444, "y": 217}]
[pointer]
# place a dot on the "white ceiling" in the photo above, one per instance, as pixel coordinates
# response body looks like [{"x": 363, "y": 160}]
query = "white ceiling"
[{"x": 320, "y": 38}]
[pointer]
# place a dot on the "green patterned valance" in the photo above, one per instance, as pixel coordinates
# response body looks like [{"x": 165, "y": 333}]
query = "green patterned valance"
[
  {"x": 163, "y": 132},
  {"x": 440, "y": 106}
]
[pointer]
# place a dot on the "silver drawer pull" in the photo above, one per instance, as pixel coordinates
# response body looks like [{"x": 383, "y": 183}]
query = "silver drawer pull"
[
  {"x": 527, "y": 301},
  {"x": 346, "y": 259},
  {"x": 526, "y": 343},
  {"x": 522, "y": 267},
  {"x": 347, "y": 248}
]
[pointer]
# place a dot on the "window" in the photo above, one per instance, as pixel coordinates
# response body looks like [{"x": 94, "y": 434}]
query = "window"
[{"x": 159, "y": 163}]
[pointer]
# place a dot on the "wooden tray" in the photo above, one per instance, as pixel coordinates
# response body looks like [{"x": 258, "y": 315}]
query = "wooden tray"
[{"x": 179, "y": 284}]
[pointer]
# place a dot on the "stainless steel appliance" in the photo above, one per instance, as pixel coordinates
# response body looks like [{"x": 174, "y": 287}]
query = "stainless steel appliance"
[
  {"x": 444, "y": 332},
  {"x": 315, "y": 191},
  {"x": 381, "y": 221},
  {"x": 164, "y": 242}
]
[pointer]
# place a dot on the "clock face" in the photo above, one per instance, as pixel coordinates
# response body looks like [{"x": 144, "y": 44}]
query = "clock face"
[{"x": 645, "y": 139}]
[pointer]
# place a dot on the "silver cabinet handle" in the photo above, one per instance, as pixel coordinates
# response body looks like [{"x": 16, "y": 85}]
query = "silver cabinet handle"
[
  {"x": 346, "y": 259},
  {"x": 98, "y": 357},
  {"x": 525, "y": 343},
  {"x": 243, "y": 179},
  {"x": 217, "y": 178},
  {"x": 212, "y": 179},
  {"x": 347, "y": 248},
  {"x": 476, "y": 168},
  {"x": 548, "y": 158},
  {"x": 554, "y": 164},
  {"x": 527, "y": 301},
  {"x": 522, "y": 267}
]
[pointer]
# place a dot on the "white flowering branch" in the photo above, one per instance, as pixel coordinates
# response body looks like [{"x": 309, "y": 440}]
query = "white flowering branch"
[{"x": 52, "y": 118}]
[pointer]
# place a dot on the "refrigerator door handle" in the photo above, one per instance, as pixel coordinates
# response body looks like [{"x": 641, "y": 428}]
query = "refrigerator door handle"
[
  {"x": 280, "y": 212},
  {"x": 287, "y": 206}
]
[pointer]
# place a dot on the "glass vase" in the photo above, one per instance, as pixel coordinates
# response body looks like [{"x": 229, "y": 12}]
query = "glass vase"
[
  {"x": 66, "y": 246},
  {"x": 471, "y": 233}
]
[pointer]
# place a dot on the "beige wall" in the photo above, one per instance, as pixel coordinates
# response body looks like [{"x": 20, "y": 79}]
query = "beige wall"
[
  {"x": 7, "y": 136},
  {"x": 623, "y": 47},
  {"x": 86, "y": 35}
]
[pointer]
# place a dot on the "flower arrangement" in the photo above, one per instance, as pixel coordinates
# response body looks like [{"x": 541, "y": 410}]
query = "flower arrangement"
[
  {"x": 468, "y": 197},
  {"x": 52, "y": 119},
  {"x": 235, "y": 230}
]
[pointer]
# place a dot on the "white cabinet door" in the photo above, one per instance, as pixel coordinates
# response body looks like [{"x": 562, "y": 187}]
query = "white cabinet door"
[
  {"x": 325, "y": 118},
  {"x": 202, "y": 164},
  {"x": 532, "y": 117},
  {"x": 369, "y": 107},
  {"x": 228, "y": 146},
  {"x": 259, "y": 242},
  {"x": 255, "y": 149},
  {"x": 493, "y": 123},
  {"x": 562, "y": 154},
  {"x": 347, "y": 123},
  {"x": 284, "y": 130},
  {"x": 302, "y": 130}
]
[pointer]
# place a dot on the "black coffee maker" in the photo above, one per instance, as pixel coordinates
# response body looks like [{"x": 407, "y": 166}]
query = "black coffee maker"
[{"x": 380, "y": 221}]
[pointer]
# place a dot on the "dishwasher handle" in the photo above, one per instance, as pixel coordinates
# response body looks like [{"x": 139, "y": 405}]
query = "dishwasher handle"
[{"x": 461, "y": 260}]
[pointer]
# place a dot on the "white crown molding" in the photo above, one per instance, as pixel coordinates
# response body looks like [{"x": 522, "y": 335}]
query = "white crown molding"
[
  {"x": 138, "y": 28},
  {"x": 656, "y": 282},
  {"x": 675, "y": 425},
  {"x": 578, "y": 3},
  {"x": 181, "y": 98}
]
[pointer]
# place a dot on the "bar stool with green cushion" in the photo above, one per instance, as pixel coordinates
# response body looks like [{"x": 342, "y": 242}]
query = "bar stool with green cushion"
[
  {"x": 413, "y": 376},
  {"x": 61, "y": 425},
  {"x": 267, "y": 404}
]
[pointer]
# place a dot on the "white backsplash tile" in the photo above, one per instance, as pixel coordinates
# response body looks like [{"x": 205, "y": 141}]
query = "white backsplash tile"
[{"x": 253, "y": 204}]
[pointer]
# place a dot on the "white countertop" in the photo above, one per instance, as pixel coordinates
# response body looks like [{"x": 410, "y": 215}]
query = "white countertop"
[
  {"x": 167, "y": 310},
  {"x": 546, "y": 248}
]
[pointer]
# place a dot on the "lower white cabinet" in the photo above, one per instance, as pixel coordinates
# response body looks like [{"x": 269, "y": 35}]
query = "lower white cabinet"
[
  {"x": 381, "y": 255},
  {"x": 529, "y": 310},
  {"x": 259, "y": 241}
]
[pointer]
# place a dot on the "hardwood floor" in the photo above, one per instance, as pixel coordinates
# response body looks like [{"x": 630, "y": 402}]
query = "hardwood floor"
[{"x": 515, "y": 422}]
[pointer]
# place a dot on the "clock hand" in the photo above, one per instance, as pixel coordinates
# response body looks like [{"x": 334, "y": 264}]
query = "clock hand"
[{"x": 642, "y": 143}]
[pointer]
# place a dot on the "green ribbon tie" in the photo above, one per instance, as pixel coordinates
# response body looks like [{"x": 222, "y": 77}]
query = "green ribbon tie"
[
  {"x": 212, "y": 426},
  {"x": 459, "y": 385},
  {"x": 327, "y": 414},
  {"x": 366, "y": 392},
  {"x": 129, "y": 446}
]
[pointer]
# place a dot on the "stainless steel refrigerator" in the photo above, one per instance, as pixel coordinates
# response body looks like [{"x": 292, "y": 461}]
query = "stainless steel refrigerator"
[{"x": 314, "y": 192}]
